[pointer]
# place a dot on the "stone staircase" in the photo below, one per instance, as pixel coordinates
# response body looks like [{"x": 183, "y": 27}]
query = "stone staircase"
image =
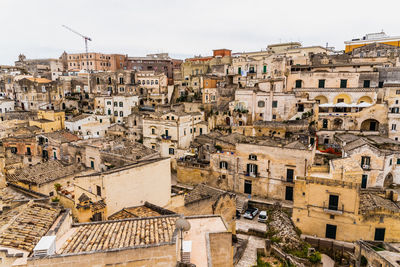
[{"x": 241, "y": 203}]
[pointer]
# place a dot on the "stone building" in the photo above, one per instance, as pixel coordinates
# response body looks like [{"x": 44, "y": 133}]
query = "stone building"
[
  {"x": 330, "y": 203},
  {"x": 171, "y": 132},
  {"x": 95, "y": 61}
]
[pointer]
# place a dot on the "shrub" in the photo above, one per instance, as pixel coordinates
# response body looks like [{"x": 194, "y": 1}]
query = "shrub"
[
  {"x": 57, "y": 187},
  {"x": 55, "y": 199},
  {"x": 315, "y": 257}
]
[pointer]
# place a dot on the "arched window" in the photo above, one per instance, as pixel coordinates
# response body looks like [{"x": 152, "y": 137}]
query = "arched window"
[{"x": 261, "y": 104}]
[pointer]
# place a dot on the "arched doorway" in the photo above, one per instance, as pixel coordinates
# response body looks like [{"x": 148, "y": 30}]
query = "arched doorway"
[
  {"x": 370, "y": 125},
  {"x": 388, "y": 181},
  {"x": 228, "y": 121}
]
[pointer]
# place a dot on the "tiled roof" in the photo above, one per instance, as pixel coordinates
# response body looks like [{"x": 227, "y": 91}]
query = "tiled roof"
[
  {"x": 370, "y": 202},
  {"x": 202, "y": 191},
  {"x": 109, "y": 235},
  {"x": 25, "y": 225},
  {"x": 79, "y": 117},
  {"x": 134, "y": 212},
  {"x": 39, "y": 80},
  {"x": 62, "y": 136},
  {"x": 44, "y": 172}
]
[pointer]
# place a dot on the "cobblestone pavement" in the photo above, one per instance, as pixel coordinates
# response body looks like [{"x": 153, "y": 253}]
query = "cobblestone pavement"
[
  {"x": 249, "y": 257},
  {"x": 244, "y": 224}
]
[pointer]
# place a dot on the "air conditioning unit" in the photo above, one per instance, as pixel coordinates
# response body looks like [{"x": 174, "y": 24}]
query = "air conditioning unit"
[{"x": 45, "y": 247}]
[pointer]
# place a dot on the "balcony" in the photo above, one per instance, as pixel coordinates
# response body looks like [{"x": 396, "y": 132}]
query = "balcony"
[
  {"x": 166, "y": 137},
  {"x": 252, "y": 174},
  {"x": 333, "y": 209},
  {"x": 365, "y": 167}
]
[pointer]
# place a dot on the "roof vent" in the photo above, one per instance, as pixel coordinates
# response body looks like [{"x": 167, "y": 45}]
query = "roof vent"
[{"x": 45, "y": 247}]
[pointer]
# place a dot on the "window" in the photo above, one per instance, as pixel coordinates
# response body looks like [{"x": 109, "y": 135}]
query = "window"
[
  {"x": 121, "y": 104},
  {"x": 274, "y": 104},
  {"x": 397, "y": 92},
  {"x": 171, "y": 151},
  {"x": 252, "y": 170},
  {"x": 98, "y": 190},
  {"x": 116, "y": 113},
  {"x": 390, "y": 162},
  {"x": 261, "y": 104},
  {"x": 153, "y": 131},
  {"x": 265, "y": 68},
  {"x": 298, "y": 83},
  {"x": 333, "y": 202},
  {"x": 274, "y": 117},
  {"x": 121, "y": 113},
  {"x": 393, "y": 127},
  {"x": 324, "y": 123},
  {"x": 121, "y": 80},
  {"x": 252, "y": 157},
  {"x": 380, "y": 85},
  {"x": 321, "y": 83},
  {"x": 109, "y": 103},
  {"x": 340, "y": 100},
  {"x": 365, "y": 162},
  {"x": 343, "y": 83},
  {"x": 28, "y": 151},
  {"x": 223, "y": 165},
  {"x": 367, "y": 83},
  {"x": 201, "y": 130},
  {"x": 92, "y": 164},
  {"x": 398, "y": 161},
  {"x": 239, "y": 70},
  {"x": 115, "y": 104}
]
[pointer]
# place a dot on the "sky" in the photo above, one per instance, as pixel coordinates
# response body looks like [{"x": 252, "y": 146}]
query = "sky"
[{"x": 184, "y": 28}]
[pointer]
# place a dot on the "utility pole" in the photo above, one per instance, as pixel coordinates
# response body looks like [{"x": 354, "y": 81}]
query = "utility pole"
[{"x": 86, "y": 38}]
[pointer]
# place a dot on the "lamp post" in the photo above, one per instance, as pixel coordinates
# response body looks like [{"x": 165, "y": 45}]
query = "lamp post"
[{"x": 183, "y": 226}]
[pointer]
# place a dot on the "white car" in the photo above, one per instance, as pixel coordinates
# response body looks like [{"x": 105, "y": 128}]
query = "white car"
[
  {"x": 250, "y": 213},
  {"x": 262, "y": 217}
]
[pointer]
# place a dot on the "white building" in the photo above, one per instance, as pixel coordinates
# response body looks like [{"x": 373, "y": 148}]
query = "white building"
[
  {"x": 6, "y": 105},
  {"x": 170, "y": 133},
  {"x": 88, "y": 125},
  {"x": 118, "y": 106}
]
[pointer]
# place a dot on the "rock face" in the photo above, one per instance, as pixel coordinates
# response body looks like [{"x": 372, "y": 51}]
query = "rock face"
[{"x": 283, "y": 232}]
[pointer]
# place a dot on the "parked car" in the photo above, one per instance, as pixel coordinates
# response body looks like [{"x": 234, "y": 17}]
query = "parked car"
[
  {"x": 250, "y": 213},
  {"x": 262, "y": 217}
]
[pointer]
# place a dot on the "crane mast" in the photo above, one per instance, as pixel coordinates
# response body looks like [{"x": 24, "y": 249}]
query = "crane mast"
[{"x": 86, "y": 38}]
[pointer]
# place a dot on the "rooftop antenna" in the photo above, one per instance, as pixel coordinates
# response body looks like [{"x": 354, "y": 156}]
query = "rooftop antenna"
[{"x": 86, "y": 38}]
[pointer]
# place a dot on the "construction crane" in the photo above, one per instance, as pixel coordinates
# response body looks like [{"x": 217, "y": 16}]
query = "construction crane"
[{"x": 87, "y": 52}]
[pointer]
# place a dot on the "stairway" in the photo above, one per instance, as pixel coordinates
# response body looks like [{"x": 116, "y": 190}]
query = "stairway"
[{"x": 241, "y": 203}]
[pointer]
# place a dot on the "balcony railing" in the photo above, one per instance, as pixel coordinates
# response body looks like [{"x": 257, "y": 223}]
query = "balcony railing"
[
  {"x": 365, "y": 166},
  {"x": 333, "y": 209},
  {"x": 166, "y": 137}
]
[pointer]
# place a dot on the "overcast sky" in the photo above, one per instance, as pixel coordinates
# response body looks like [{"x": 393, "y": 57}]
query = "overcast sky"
[{"x": 185, "y": 28}]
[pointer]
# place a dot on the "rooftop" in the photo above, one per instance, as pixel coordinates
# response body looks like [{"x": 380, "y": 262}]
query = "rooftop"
[
  {"x": 24, "y": 226},
  {"x": 79, "y": 117},
  {"x": 371, "y": 202},
  {"x": 44, "y": 172},
  {"x": 62, "y": 136},
  {"x": 109, "y": 235}
]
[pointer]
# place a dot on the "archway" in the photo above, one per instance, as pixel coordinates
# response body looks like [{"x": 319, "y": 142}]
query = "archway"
[
  {"x": 342, "y": 98},
  {"x": 388, "y": 180},
  {"x": 370, "y": 125},
  {"x": 321, "y": 99},
  {"x": 365, "y": 99}
]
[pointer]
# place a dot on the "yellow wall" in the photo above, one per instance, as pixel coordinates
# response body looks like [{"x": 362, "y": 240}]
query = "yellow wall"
[{"x": 350, "y": 48}]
